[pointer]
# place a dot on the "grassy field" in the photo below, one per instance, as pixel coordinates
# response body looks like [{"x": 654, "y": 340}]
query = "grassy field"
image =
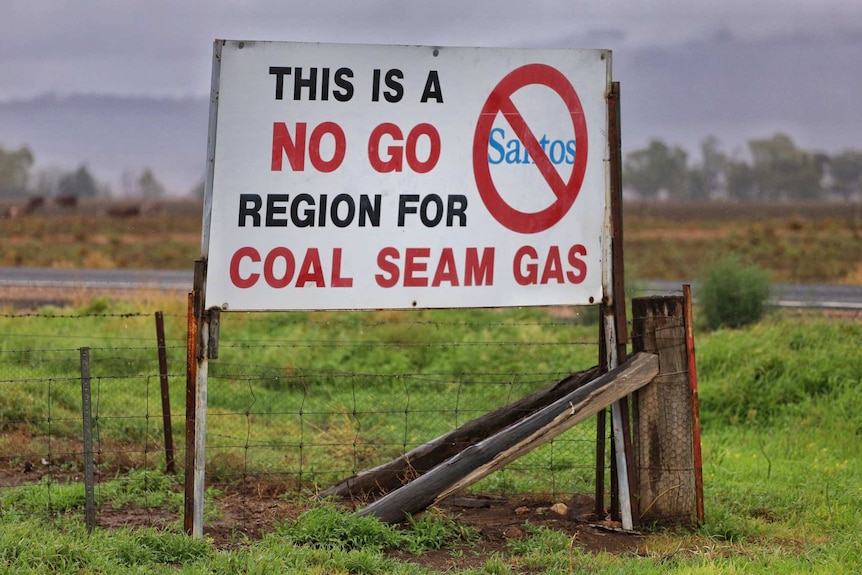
[
  {"x": 780, "y": 404},
  {"x": 795, "y": 243}
]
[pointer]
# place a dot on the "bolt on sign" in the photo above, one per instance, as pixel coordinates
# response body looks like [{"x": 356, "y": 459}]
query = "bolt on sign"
[{"x": 369, "y": 177}]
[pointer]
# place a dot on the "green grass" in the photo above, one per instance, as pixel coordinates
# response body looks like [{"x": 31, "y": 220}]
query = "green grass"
[
  {"x": 780, "y": 403},
  {"x": 329, "y": 527},
  {"x": 29, "y": 546},
  {"x": 805, "y": 370},
  {"x": 135, "y": 488}
]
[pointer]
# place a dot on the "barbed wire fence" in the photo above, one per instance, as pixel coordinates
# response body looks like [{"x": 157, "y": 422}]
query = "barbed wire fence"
[{"x": 300, "y": 400}]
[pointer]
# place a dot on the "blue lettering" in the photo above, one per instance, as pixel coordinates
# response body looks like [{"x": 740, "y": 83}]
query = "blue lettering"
[
  {"x": 498, "y": 147},
  {"x": 512, "y": 151},
  {"x": 570, "y": 152},
  {"x": 513, "y": 156},
  {"x": 558, "y": 152}
]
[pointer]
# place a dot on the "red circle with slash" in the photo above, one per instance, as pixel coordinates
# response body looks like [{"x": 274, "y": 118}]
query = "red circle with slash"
[{"x": 500, "y": 102}]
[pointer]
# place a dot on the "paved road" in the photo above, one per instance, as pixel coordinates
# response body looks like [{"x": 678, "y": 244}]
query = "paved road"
[
  {"x": 784, "y": 295},
  {"x": 108, "y": 279}
]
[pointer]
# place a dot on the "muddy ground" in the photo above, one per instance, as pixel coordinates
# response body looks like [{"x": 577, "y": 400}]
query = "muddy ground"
[{"x": 252, "y": 508}]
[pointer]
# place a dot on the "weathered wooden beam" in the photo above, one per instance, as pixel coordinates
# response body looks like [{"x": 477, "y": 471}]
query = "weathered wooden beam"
[
  {"x": 416, "y": 462},
  {"x": 498, "y": 450}
]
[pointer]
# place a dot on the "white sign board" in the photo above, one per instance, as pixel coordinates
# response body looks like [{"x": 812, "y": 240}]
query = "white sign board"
[{"x": 367, "y": 177}]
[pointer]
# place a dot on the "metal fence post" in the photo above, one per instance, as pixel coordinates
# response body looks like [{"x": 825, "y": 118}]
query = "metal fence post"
[{"x": 87, "y": 415}]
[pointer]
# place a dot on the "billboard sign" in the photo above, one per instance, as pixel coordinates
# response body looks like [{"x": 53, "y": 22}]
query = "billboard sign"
[{"x": 370, "y": 177}]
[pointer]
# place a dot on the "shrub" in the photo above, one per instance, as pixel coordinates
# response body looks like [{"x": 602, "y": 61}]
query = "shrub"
[{"x": 733, "y": 294}]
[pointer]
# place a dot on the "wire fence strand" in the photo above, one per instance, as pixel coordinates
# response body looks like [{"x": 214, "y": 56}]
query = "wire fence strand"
[{"x": 300, "y": 399}]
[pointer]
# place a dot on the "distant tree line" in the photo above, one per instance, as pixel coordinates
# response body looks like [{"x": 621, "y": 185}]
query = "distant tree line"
[
  {"x": 777, "y": 170},
  {"x": 18, "y": 179}
]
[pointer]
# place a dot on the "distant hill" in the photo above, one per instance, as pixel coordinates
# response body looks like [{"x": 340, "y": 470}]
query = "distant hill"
[
  {"x": 806, "y": 87},
  {"x": 112, "y": 135}
]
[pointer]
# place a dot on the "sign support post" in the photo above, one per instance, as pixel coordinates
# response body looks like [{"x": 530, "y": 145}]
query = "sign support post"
[
  {"x": 613, "y": 315},
  {"x": 200, "y": 425},
  {"x": 194, "y": 299},
  {"x": 202, "y": 345}
]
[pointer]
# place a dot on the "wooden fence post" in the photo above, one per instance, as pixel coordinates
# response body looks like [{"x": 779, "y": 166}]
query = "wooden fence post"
[
  {"x": 166, "y": 393},
  {"x": 664, "y": 425}
]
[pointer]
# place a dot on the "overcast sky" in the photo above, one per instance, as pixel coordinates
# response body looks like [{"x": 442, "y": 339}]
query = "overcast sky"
[
  {"x": 163, "y": 47},
  {"x": 735, "y": 69}
]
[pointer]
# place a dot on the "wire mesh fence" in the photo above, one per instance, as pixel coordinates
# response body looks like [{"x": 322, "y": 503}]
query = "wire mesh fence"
[{"x": 301, "y": 399}]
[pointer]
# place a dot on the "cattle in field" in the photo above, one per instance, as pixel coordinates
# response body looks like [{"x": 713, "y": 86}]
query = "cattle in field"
[
  {"x": 125, "y": 211},
  {"x": 68, "y": 201},
  {"x": 34, "y": 204}
]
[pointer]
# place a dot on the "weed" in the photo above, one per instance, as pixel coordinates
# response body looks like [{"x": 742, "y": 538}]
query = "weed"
[
  {"x": 136, "y": 488},
  {"x": 435, "y": 530},
  {"x": 47, "y": 496},
  {"x": 149, "y": 546},
  {"x": 496, "y": 565},
  {"x": 330, "y": 527},
  {"x": 144, "y": 488}
]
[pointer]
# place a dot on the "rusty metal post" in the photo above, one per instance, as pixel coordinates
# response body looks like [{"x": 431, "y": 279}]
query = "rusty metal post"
[
  {"x": 191, "y": 394},
  {"x": 193, "y": 505},
  {"x": 616, "y": 177},
  {"x": 695, "y": 408},
  {"x": 616, "y": 201},
  {"x": 166, "y": 395},
  {"x": 197, "y": 355},
  {"x": 613, "y": 306}
]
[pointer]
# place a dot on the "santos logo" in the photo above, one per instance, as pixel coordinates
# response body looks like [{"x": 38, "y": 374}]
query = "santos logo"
[{"x": 512, "y": 151}]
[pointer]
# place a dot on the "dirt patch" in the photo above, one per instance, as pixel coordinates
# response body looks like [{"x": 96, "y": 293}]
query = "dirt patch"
[
  {"x": 248, "y": 507},
  {"x": 251, "y": 508},
  {"x": 500, "y": 519}
]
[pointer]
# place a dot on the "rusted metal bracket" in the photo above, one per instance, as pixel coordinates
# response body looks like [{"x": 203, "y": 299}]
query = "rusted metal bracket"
[{"x": 198, "y": 353}]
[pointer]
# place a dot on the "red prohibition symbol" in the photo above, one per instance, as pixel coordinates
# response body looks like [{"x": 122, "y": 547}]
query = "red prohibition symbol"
[{"x": 500, "y": 102}]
